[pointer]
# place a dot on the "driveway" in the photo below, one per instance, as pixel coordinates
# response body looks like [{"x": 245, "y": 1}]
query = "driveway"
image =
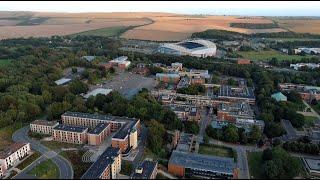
[{"x": 65, "y": 168}]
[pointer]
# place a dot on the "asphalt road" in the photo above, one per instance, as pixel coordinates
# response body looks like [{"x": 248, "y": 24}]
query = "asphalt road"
[{"x": 65, "y": 167}]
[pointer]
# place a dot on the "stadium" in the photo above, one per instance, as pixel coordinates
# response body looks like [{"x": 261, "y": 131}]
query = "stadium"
[{"x": 195, "y": 47}]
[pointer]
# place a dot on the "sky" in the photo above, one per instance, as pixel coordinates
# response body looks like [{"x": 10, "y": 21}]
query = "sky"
[{"x": 250, "y": 8}]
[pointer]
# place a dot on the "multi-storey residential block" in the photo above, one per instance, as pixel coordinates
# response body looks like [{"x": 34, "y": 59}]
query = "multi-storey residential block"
[
  {"x": 108, "y": 165},
  {"x": 127, "y": 137},
  {"x": 146, "y": 170},
  {"x": 92, "y": 120},
  {"x": 13, "y": 154},
  {"x": 97, "y": 135},
  {"x": 43, "y": 126},
  {"x": 70, "y": 134}
]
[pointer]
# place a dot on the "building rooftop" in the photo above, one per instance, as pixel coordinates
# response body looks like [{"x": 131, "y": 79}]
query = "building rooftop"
[
  {"x": 99, "y": 128},
  {"x": 125, "y": 130},
  {"x": 62, "y": 81},
  {"x": 88, "y": 58},
  {"x": 120, "y": 59},
  {"x": 69, "y": 128},
  {"x": 312, "y": 164},
  {"x": 279, "y": 96},
  {"x": 97, "y": 91},
  {"x": 105, "y": 160},
  {"x": 99, "y": 117},
  {"x": 242, "y": 109},
  {"x": 172, "y": 75},
  {"x": 44, "y": 122},
  {"x": 185, "y": 142},
  {"x": 11, "y": 149},
  {"x": 144, "y": 170},
  {"x": 241, "y": 92},
  {"x": 203, "y": 162}
]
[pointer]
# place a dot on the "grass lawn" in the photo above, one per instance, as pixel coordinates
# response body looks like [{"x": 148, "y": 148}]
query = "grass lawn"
[
  {"x": 268, "y": 55},
  {"x": 54, "y": 145},
  {"x": 255, "y": 163},
  {"x": 78, "y": 166},
  {"x": 45, "y": 170},
  {"x": 216, "y": 150},
  {"x": 105, "y": 32},
  {"x": 29, "y": 160},
  {"x": 5, "y": 62},
  {"x": 6, "y": 134},
  {"x": 309, "y": 121}
]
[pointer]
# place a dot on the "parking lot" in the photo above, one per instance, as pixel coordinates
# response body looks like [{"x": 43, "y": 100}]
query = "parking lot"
[{"x": 129, "y": 84}]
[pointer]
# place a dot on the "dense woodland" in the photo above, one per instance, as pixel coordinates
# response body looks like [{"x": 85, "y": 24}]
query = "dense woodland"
[{"x": 254, "y": 25}]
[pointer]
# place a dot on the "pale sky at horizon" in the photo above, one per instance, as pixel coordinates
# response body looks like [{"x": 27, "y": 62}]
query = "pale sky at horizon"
[{"x": 256, "y": 8}]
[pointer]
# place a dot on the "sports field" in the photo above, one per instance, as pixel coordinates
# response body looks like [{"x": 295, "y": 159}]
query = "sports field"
[{"x": 268, "y": 55}]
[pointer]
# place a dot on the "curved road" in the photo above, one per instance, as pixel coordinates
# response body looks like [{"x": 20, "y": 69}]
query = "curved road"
[{"x": 65, "y": 168}]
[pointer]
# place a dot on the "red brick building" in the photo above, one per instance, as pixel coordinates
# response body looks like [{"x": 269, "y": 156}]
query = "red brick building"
[
  {"x": 99, "y": 133},
  {"x": 243, "y": 61},
  {"x": 70, "y": 134}
]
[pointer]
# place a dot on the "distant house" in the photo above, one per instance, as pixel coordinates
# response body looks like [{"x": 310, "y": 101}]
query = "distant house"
[
  {"x": 88, "y": 58},
  {"x": 279, "y": 96},
  {"x": 243, "y": 61}
]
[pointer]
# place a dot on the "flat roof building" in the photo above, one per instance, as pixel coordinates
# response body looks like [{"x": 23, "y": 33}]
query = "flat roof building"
[
  {"x": 127, "y": 137},
  {"x": 88, "y": 58},
  {"x": 231, "y": 111},
  {"x": 43, "y": 126},
  {"x": 70, "y": 134},
  {"x": 13, "y": 154},
  {"x": 97, "y": 135},
  {"x": 145, "y": 170},
  {"x": 185, "y": 164},
  {"x": 237, "y": 93},
  {"x": 63, "y": 81},
  {"x": 97, "y": 91},
  {"x": 107, "y": 166},
  {"x": 312, "y": 166}
]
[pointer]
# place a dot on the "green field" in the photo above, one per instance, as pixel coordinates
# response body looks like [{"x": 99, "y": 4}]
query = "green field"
[
  {"x": 29, "y": 160},
  {"x": 309, "y": 121},
  {"x": 216, "y": 150},
  {"x": 45, "y": 170},
  {"x": 268, "y": 55},
  {"x": 5, "y": 62},
  {"x": 255, "y": 163},
  {"x": 105, "y": 32}
]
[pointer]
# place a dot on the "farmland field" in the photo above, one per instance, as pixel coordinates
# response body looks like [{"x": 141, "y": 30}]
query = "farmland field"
[
  {"x": 105, "y": 32},
  {"x": 301, "y": 25},
  {"x": 268, "y": 55}
]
